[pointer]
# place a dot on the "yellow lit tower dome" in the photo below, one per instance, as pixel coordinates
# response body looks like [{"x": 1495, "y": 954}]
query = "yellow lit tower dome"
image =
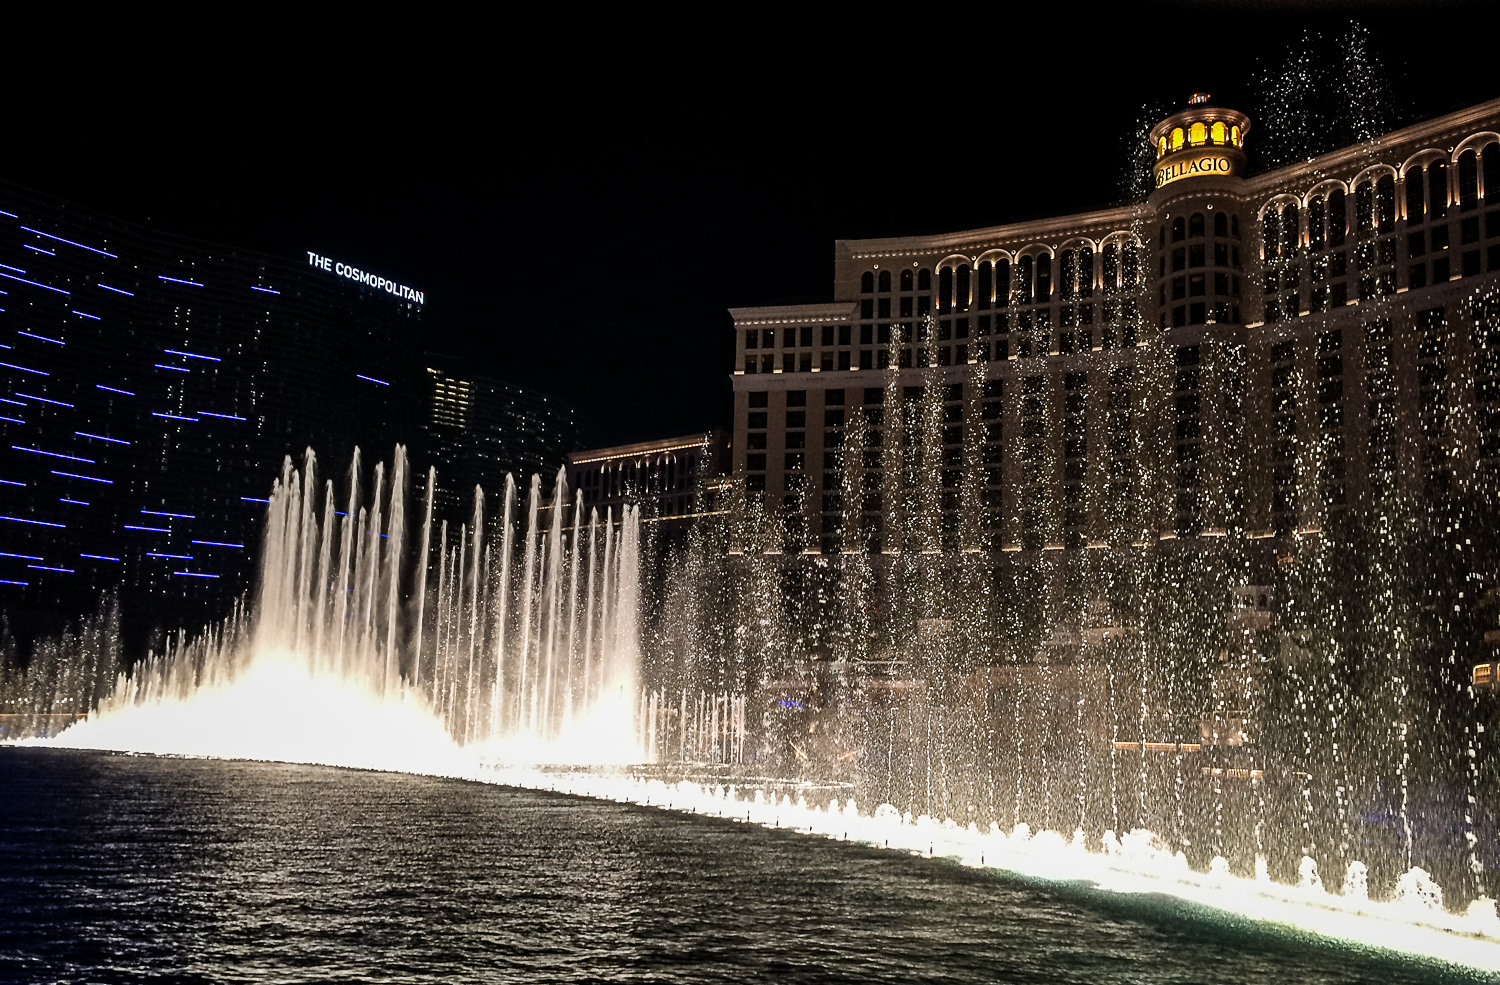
[{"x": 1199, "y": 231}]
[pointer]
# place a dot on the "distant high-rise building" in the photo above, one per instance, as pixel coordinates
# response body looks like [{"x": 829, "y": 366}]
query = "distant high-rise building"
[
  {"x": 673, "y": 480},
  {"x": 150, "y": 386},
  {"x": 478, "y": 429}
]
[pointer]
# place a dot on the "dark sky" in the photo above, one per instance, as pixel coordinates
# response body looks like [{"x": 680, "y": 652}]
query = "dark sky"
[{"x": 581, "y": 208}]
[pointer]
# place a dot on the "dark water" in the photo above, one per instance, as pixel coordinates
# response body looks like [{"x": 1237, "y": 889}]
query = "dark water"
[{"x": 127, "y": 869}]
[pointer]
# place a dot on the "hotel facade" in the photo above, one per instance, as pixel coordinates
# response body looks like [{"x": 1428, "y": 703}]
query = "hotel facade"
[{"x": 1237, "y": 354}]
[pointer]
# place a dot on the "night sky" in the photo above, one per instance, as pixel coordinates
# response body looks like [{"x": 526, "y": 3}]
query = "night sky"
[{"x": 580, "y": 209}]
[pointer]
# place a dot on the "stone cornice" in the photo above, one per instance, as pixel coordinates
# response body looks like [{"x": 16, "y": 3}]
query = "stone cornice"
[
  {"x": 794, "y": 314},
  {"x": 1012, "y": 236}
]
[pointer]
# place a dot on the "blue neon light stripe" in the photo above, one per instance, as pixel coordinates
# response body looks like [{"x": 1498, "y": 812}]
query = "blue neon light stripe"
[
  {"x": 12, "y": 581},
  {"x": 73, "y": 502},
  {"x": 253, "y": 499},
  {"x": 174, "y": 557},
  {"x": 194, "y": 574},
  {"x": 11, "y": 482},
  {"x": 70, "y": 242},
  {"x": 117, "y": 290},
  {"x": 53, "y": 454},
  {"x": 40, "y": 338},
  {"x": 47, "y": 287},
  {"x": 191, "y": 355},
  {"x": 175, "y": 369},
  {"x": 101, "y": 386},
  {"x": 372, "y": 379},
  {"x": 100, "y": 437},
  {"x": 13, "y": 420},
  {"x": 43, "y": 567},
  {"x": 179, "y": 516},
  {"x": 23, "y": 557},
  {"x": 227, "y": 417},
  {"x": 174, "y": 417},
  {"x": 220, "y": 543},
  {"x": 100, "y": 557},
  {"x": 45, "y": 400},
  {"x": 86, "y": 478},
  {"x": 9, "y": 267},
  {"x": 263, "y": 290},
  {"x": 37, "y": 523},
  {"x": 155, "y": 530},
  {"x": 178, "y": 280},
  {"x": 85, "y": 314},
  {"x": 25, "y": 369},
  {"x": 39, "y": 249},
  {"x": 7, "y": 400}
]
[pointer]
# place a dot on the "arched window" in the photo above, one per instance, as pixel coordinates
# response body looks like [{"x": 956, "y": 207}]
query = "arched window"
[
  {"x": 1002, "y": 282},
  {"x": 1043, "y": 278},
  {"x": 1338, "y": 219},
  {"x": 1489, "y": 157},
  {"x": 867, "y": 283},
  {"x": 1068, "y": 269},
  {"x": 1085, "y": 272},
  {"x": 986, "y": 287},
  {"x": 1385, "y": 203},
  {"x": 1161, "y": 235},
  {"x": 906, "y": 280},
  {"x": 964, "y": 297},
  {"x": 1316, "y": 213},
  {"x": 1161, "y": 146},
  {"x": 1130, "y": 266},
  {"x": 1364, "y": 206},
  {"x": 885, "y": 282},
  {"x": 1221, "y": 224},
  {"x": 1218, "y": 133},
  {"x": 1468, "y": 180},
  {"x": 924, "y": 279},
  {"x": 945, "y": 289},
  {"x": 1177, "y": 138},
  {"x": 1024, "y": 268},
  {"x": 1234, "y": 136},
  {"x": 1179, "y": 229},
  {"x": 1437, "y": 189},
  {"x": 1195, "y": 225},
  {"x": 1289, "y": 229},
  {"x": 1271, "y": 232},
  {"x": 1111, "y": 267},
  {"x": 1197, "y": 134},
  {"x": 1416, "y": 196}
]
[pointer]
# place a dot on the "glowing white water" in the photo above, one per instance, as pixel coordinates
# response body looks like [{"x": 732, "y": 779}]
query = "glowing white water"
[{"x": 518, "y": 664}]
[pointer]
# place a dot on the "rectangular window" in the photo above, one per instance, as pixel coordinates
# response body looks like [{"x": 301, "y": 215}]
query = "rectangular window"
[
  {"x": 752, "y": 339},
  {"x": 827, "y": 335}
]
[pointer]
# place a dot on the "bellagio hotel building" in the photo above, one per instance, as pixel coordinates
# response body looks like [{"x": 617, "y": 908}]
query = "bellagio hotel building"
[{"x": 1234, "y": 355}]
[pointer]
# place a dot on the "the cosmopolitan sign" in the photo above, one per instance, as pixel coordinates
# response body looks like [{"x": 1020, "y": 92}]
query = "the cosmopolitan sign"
[
  {"x": 364, "y": 277},
  {"x": 1192, "y": 167}
]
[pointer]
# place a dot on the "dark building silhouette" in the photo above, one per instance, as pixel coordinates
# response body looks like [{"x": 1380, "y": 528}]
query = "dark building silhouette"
[{"x": 150, "y": 387}]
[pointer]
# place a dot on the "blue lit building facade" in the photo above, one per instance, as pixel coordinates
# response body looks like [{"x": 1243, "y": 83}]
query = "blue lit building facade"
[{"x": 150, "y": 387}]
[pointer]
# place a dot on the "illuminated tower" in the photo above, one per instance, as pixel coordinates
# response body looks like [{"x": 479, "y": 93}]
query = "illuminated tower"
[
  {"x": 1198, "y": 177},
  {"x": 1200, "y": 235}
]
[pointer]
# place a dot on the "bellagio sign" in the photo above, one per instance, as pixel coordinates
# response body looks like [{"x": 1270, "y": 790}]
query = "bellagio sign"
[{"x": 1205, "y": 164}]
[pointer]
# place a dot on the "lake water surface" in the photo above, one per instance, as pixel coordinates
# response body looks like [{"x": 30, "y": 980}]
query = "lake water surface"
[{"x": 135, "y": 869}]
